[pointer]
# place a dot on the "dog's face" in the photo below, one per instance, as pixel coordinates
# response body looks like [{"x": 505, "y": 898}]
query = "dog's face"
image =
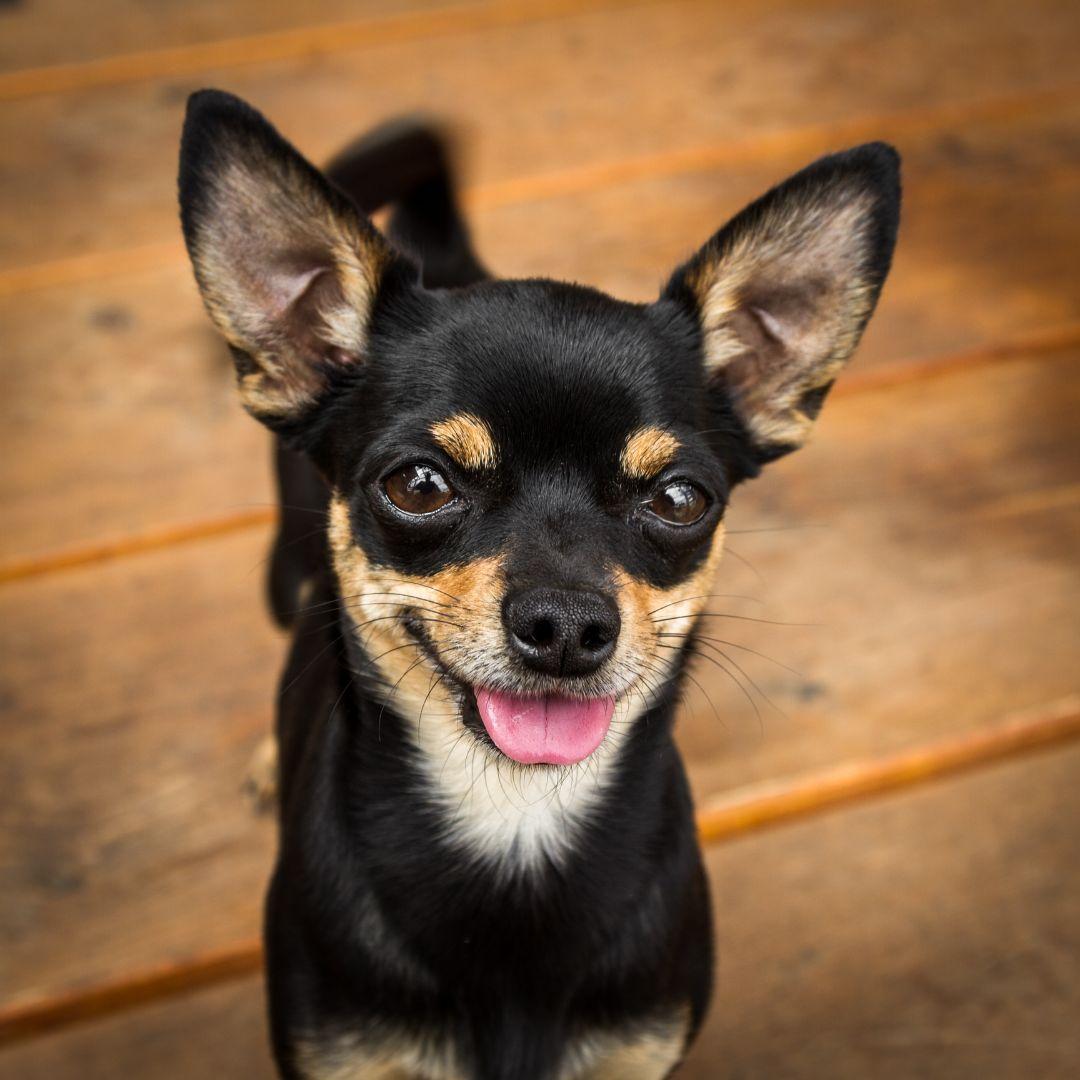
[
  {"x": 520, "y": 484},
  {"x": 528, "y": 479}
]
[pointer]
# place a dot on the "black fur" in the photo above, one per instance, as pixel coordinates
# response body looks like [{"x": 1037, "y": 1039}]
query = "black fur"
[{"x": 375, "y": 915}]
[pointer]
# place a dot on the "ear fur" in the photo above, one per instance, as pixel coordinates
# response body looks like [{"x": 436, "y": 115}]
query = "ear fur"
[
  {"x": 783, "y": 292},
  {"x": 288, "y": 268}
]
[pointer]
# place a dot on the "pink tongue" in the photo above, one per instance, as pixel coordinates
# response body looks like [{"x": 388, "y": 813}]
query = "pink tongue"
[{"x": 553, "y": 730}]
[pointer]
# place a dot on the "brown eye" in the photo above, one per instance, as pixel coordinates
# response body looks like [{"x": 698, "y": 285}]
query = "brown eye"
[
  {"x": 679, "y": 503},
  {"x": 418, "y": 489}
]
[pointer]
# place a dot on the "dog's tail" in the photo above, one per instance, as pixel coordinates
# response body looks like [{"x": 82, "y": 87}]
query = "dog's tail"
[{"x": 406, "y": 164}]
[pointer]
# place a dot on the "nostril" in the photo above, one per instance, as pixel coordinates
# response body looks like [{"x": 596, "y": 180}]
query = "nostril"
[
  {"x": 595, "y": 637},
  {"x": 541, "y": 633}
]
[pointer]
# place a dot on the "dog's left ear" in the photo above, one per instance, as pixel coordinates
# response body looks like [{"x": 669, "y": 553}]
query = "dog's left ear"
[
  {"x": 288, "y": 267},
  {"x": 782, "y": 293}
]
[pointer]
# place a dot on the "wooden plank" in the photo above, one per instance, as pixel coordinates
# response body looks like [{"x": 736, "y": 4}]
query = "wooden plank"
[
  {"x": 123, "y": 416},
  {"x": 142, "y": 436},
  {"x": 775, "y": 802},
  {"x": 133, "y": 696},
  {"x": 51, "y": 32},
  {"x": 134, "y": 691},
  {"x": 719, "y": 818},
  {"x": 299, "y": 38},
  {"x": 220, "y": 1032},
  {"x": 933, "y": 934},
  {"x": 667, "y": 78}
]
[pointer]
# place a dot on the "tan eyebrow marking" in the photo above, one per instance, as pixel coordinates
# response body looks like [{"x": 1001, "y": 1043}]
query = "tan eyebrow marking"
[
  {"x": 647, "y": 451},
  {"x": 468, "y": 440}
]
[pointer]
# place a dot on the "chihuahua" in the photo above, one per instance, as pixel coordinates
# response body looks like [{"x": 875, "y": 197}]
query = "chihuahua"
[{"x": 502, "y": 505}]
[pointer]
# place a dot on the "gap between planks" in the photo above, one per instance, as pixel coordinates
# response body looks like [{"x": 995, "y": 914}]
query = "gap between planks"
[
  {"x": 721, "y": 819},
  {"x": 1057, "y": 340},
  {"x": 294, "y": 43},
  {"x": 810, "y": 140}
]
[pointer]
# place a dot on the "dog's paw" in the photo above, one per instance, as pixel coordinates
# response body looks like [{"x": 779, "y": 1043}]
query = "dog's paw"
[{"x": 261, "y": 780}]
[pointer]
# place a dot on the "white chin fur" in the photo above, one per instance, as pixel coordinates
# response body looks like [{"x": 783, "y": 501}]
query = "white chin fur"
[{"x": 515, "y": 816}]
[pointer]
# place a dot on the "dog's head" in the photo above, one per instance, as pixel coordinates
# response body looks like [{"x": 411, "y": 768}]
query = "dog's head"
[{"x": 528, "y": 478}]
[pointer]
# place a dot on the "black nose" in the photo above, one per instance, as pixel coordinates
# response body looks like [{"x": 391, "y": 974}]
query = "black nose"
[{"x": 562, "y": 632}]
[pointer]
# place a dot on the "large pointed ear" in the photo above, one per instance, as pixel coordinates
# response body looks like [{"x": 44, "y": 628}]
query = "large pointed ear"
[
  {"x": 288, "y": 268},
  {"x": 782, "y": 293}
]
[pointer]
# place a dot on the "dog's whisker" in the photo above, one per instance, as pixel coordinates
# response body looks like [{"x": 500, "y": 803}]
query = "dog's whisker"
[
  {"x": 311, "y": 663},
  {"x": 741, "y": 618},
  {"x": 779, "y": 528},
  {"x": 410, "y": 596},
  {"x": 436, "y": 679},
  {"x": 742, "y": 671},
  {"x": 359, "y": 598},
  {"x": 707, "y": 596},
  {"x": 708, "y": 697},
  {"x": 731, "y": 675},
  {"x": 393, "y": 691},
  {"x": 729, "y": 550},
  {"x": 413, "y": 583},
  {"x": 744, "y": 648}
]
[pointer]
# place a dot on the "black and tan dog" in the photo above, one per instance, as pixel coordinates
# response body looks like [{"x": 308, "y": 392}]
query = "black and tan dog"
[{"x": 488, "y": 865}]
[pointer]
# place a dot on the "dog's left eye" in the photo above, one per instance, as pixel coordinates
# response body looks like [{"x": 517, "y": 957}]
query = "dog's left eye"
[
  {"x": 418, "y": 489},
  {"x": 679, "y": 503}
]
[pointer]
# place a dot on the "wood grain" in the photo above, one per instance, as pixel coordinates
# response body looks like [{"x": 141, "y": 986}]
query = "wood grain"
[
  {"x": 122, "y": 421},
  {"x": 933, "y": 933},
  {"x": 219, "y": 1032},
  {"x": 775, "y": 802},
  {"x": 133, "y": 695},
  {"x": 719, "y": 819},
  {"x": 756, "y": 69},
  {"x": 130, "y": 989},
  {"x": 135, "y": 690},
  {"x": 188, "y": 45},
  {"x": 44, "y": 33}
]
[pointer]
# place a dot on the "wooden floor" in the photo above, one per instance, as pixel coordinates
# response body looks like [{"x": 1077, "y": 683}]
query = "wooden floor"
[{"x": 914, "y": 907}]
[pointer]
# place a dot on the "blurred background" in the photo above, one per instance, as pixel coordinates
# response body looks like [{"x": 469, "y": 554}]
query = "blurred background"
[{"x": 889, "y": 789}]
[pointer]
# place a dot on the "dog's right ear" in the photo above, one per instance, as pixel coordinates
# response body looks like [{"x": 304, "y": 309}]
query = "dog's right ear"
[{"x": 288, "y": 268}]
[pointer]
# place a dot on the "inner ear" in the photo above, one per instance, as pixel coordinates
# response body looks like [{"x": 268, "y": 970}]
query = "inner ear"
[
  {"x": 288, "y": 268},
  {"x": 783, "y": 292}
]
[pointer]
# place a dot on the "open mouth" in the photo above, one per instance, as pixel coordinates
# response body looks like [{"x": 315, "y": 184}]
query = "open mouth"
[
  {"x": 544, "y": 729},
  {"x": 549, "y": 730}
]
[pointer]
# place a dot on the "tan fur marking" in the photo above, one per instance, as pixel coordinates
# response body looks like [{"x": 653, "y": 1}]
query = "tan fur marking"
[
  {"x": 459, "y": 603},
  {"x": 468, "y": 440},
  {"x": 381, "y": 1056},
  {"x": 650, "y": 1057},
  {"x": 261, "y": 779},
  {"x": 641, "y": 603},
  {"x": 646, "y": 1053},
  {"x": 647, "y": 451}
]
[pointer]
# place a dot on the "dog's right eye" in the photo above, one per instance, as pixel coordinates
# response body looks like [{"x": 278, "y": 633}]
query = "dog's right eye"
[{"x": 418, "y": 489}]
